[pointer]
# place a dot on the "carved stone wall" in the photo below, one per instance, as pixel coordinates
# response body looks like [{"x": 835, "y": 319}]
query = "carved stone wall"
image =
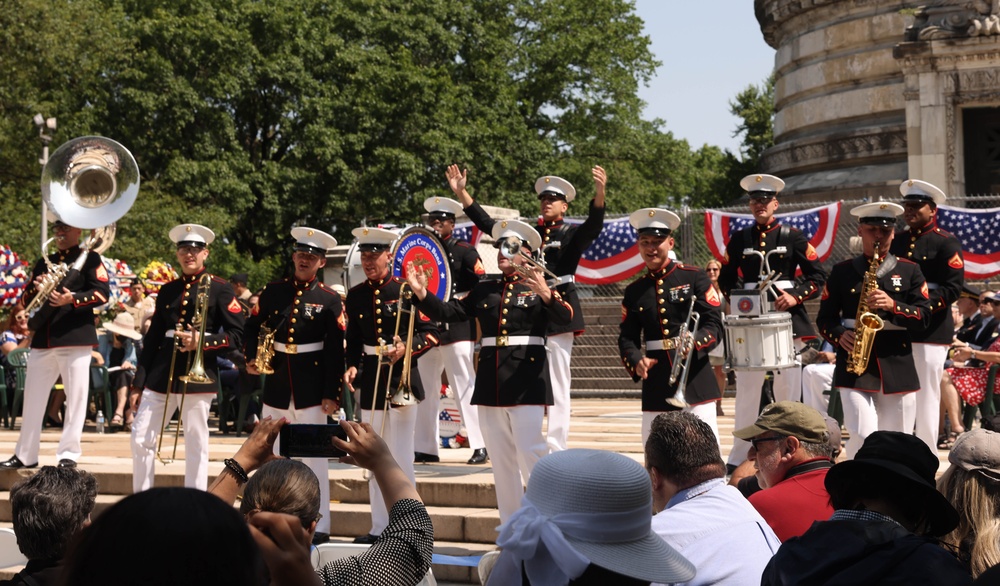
[{"x": 870, "y": 92}]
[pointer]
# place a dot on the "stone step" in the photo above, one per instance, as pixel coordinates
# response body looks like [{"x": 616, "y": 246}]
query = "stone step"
[{"x": 457, "y": 524}]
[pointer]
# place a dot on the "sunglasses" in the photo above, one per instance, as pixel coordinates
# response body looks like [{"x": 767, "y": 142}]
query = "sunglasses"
[{"x": 755, "y": 441}]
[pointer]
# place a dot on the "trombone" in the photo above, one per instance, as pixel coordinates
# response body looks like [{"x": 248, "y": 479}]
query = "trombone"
[
  {"x": 195, "y": 366},
  {"x": 510, "y": 247}
]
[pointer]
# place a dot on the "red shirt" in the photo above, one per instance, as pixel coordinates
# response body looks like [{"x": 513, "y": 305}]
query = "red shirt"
[{"x": 791, "y": 506}]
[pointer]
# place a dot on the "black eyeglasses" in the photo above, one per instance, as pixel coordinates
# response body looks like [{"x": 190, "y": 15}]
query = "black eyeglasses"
[{"x": 755, "y": 441}]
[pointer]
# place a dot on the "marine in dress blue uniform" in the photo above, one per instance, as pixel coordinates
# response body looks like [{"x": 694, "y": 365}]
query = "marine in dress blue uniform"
[
  {"x": 61, "y": 346},
  {"x": 653, "y": 311},
  {"x": 883, "y": 396},
  {"x": 939, "y": 255},
  {"x": 171, "y": 326},
  {"x": 512, "y": 384},
  {"x": 454, "y": 355},
  {"x": 766, "y": 235},
  {"x": 308, "y": 322},
  {"x": 562, "y": 246}
]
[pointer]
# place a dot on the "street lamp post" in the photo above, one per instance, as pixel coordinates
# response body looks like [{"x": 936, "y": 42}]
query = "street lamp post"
[{"x": 44, "y": 125}]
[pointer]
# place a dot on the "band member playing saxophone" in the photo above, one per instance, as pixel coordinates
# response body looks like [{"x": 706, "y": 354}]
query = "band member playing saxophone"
[
  {"x": 61, "y": 346},
  {"x": 295, "y": 335},
  {"x": 654, "y": 310},
  {"x": 897, "y": 303},
  {"x": 174, "y": 339}
]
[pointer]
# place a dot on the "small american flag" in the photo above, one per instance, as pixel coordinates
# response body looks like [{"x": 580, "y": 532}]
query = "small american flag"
[
  {"x": 614, "y": 256},
  {"x": 979, "y": 233}
]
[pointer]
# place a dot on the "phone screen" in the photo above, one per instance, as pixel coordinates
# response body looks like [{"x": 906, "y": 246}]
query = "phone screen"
[{"x": 301, "y": 440}]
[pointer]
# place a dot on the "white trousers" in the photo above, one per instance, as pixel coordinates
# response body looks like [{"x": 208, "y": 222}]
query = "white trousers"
[
  {"x": 867, "y": 412},
  {"x": 456, "y": 360},
  {"x": 399, "y": 437},
  {"x": 929, "y": 360},
  {"x": 319, "y": 466},
  {"x": 817, "y": 379},
  {"x": 146, "y": 431},
  {"x": 45, "y": 365},
  {"x": 787, "y": 387},
  {"x": 560, "y": 347},
  {"x": 706, "y": 412},
  {"x": 515, "y": 442}
]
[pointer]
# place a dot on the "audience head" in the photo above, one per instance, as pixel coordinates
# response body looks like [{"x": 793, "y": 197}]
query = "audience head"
[
  {"x": 713, "y": 268},
  {"x": 785, "y": 434},
  {"x": 586, "y": 518},
  {"x": 283, "y": 486},
  {"x": 893, "y": 474},
  {"x": 968, "y": 300},
  {"x": 166, "y": 536},
  {"x": 17, "y": 320},
  {"x": 682, "y": 451},
  {"x": 972, "y": 485},
  {"x": 49, "y": 508}
]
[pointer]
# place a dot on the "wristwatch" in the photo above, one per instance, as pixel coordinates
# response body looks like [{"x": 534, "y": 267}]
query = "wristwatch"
[{"x": 973, "y": 355}]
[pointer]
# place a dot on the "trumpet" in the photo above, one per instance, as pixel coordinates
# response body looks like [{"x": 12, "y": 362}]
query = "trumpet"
[
  {"x": 510, "y": 247},
  {"x": 685, "y": 342},
  {"x": 195, "y": 366}
]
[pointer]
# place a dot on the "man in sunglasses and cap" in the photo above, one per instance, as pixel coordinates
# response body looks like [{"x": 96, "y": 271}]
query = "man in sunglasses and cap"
[
  {"x": 512, "y": 385},
  {"x": 887, "y": 514},
  {"x": 173, "y": 339},
  {"x": 765, "y": 235},
  {"x": 61, "y": 346},
  {"x": 562, "y": 246},
  {"x": 939, "y": 255},
  {"x": 882, "y": 397},
  {"x": 307, "y": 321},
  {"x": 455, "y": 354},
  {"x": 654, "y": 310}
]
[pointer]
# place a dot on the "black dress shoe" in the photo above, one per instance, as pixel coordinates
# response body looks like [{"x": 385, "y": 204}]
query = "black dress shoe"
[
  {"x": 67, "y": 463},
  {"x": 319, "y": 538},
  {"x": 366, "y": 539},
  {"x": 420, "y": 457},
  {"x": 15, "y": 463},
  {"x": 479, "y": 456}
]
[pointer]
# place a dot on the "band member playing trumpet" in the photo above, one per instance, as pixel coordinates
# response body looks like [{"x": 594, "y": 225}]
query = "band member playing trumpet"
[
  {"x": 174, "y": 339},
  {"x": 61, "y": 347},
  {"x": 376, "y": 348},
  {"x": 562, "y": 246},
  {"x": 654, "y": 310},
  {"x": 882, "y": 396},
  {"x": 766, "y": 235},
  {"x": 939, "y": 255},
  {"x": 512, "y": 383},
  {"x": 296, "y": 334}
]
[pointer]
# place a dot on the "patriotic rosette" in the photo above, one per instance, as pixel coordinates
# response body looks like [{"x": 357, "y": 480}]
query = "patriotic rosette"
[
  {"x": 156, "y": 274},
  {"x": 119, "y": 278},
  {"x": 13, "y": 276}
]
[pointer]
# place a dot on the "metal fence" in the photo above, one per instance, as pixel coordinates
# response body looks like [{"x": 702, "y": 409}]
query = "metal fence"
[{"x": 692, "y": 247}]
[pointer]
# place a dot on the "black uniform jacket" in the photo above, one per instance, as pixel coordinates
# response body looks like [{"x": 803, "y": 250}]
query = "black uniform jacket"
[
  {"x": 300, "y": 314},
  {"x": 737, "y": 269},
  {"x": 466, "y": 271},
  {"x": 175, "y": 305},
  {"x": 372, "y": 308},
  {"x": 72, "y": 324},
  {"x": 939, "y": 255},
  {"x": 654, "y": 308},
  {"x": 890, "y": 368},
  {"x": 566, "y": 244},
  {"x": 514, "y": 374}
]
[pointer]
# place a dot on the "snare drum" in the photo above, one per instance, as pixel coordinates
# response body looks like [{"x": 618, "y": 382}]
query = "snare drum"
[{"x": 759, "y": 343}]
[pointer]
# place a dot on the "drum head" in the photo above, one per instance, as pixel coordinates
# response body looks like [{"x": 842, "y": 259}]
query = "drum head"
[{"x": 419, "y": 247}]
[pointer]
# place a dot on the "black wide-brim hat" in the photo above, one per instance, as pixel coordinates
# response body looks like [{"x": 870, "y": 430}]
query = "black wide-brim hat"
[{"x": 903, "y": 463}]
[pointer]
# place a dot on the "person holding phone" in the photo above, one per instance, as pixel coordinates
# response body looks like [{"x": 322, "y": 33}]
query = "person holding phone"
[{"x": 308, "y": 323}]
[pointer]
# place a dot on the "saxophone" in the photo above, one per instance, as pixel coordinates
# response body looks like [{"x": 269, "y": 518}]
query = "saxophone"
[
  {"x": 866, "y": 323},
  {"x": 265, "y": 350}
]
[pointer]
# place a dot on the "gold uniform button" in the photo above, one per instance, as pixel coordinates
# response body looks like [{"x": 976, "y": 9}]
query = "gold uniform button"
[
  {"x": 291, "y": 331},
  {"x": 298, "y": 293},
  {"x": 913, "y": 246},
  {"x": 377, "y": 291},
  {"x": 293, "y": 320},
  {"x": 505, "y": 311},
  {"x": 184, "y": 302},
  {"x": 660, "y": 282},
  {"x": 504, "y": 332},
  {"x": 378, "y": 321},
  {"x": 296, "y": 302},
  {"x": 661, "y": 301},
  {"x": 665, "y": 321},
  {"x": 663, "y": 310},
  {"x": 290, "y": 339},
  {"x": 503, "y": 321},
  {"x": 188, "y": 286},
  {"x": 659, "y": 291}
]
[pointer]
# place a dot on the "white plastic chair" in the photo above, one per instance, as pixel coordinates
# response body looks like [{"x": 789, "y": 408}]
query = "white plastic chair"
[
  {"x": 325, "y": 553},
  {"x": 10, "y": 555}
]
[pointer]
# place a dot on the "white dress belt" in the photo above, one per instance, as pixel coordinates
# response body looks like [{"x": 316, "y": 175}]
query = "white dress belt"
[
  {"x": 502, "y": 341},
  {"x": 370, "y": 350},
  {"x": 169, "y": 333},
  {"x": 298, "y": 348},
  {"x": 778, "y": 284},
  {"x": 851, "y": 324},
  {"x": 668, "y": 344},
  {"x": 563, "y": 280}
]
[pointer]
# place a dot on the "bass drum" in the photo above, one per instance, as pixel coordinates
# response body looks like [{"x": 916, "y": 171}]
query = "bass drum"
[
  {"x": 419, "y": 247},
  {"x": 759, "y": 343},
  {"x": 352, "y": 274}
]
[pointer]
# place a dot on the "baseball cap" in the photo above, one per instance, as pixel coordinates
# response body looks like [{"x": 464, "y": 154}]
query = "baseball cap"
[{"x": 789, "y": 418}]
